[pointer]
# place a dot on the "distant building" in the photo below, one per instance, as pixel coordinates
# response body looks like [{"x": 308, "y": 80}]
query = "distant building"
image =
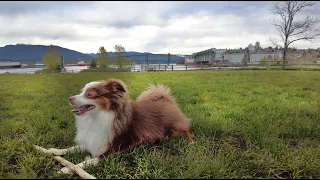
[
  {"x": 204, "y": 57},
  {"x": 234, "y": 57},
  {"x": 257, "y": 46},
  {"x": 189, "y": 59},
  {"x": 256, "y": 57},
  {"x": 255, "y": 53},
  {"x": 220, "y": 54},
  {"x": 251, "y": 48}
]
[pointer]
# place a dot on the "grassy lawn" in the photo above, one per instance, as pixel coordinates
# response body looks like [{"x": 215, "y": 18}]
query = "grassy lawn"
[
  {"x": 287, "y": 67},
  {"x": 246, "y": 124}
]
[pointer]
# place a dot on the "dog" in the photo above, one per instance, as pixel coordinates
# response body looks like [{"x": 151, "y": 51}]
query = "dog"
[{"x": 107, "y": 120}]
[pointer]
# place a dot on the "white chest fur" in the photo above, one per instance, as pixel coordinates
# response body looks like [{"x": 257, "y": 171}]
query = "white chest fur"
[{"x": 95, "y": 131}]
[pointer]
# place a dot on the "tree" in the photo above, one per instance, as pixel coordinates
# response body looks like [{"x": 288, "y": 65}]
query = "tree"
[
  {"x": 120, "y": 61},
  {"x": 103, "y": 57},
  {"x": 290, "y": 28},
  {"x": 245, "y": 60},
  {"x": 119, "y": 49},
  {"x": 315, "y": 55},
  {"x": 93, "y": 64},
  {"x": 307, "y": 57},
  {"x": 263, "y": 61},
  {"x": 52, "y": 59}
]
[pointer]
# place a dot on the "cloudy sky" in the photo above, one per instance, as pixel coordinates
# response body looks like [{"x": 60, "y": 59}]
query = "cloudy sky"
[{"x": 158, "y": 27}]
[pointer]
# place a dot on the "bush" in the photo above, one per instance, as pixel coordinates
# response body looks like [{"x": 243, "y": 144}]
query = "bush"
[
  {"x": 245, "y": 61},
  {"x": 106, "y": 69},
  {"x": 51, "y": 59},
  {"x": 263, "y": 61},
  {"x": 47, "y": 71},
  {"x": 93, "y": 64}
]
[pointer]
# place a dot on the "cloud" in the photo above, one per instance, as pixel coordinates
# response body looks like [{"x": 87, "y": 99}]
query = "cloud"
[{"x": 158, "y": 27}]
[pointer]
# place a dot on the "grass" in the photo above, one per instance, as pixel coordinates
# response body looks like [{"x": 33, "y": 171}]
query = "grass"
[
  {"x": 287, "y": 67},
  {"x": 246, "y": 124}
]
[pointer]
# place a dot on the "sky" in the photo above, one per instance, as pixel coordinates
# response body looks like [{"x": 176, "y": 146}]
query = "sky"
[{"x": 176, "y": 27}]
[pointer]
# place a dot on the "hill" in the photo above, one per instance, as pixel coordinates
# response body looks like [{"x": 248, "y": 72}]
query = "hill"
[
  {"x": 34, "y": 53},
  {"x": 26, "y": 52}
]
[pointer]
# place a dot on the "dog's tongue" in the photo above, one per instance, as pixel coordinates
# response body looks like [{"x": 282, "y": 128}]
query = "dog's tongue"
[{"x": 81, "y": 108}]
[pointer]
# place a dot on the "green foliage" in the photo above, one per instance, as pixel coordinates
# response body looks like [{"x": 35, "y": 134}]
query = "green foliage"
[
  {"x": 52, "y": 59},
  {"x": 181, "y": 61},
  {"x": 246, "y": 124},
  {"x": 315, "y": 55},
  {"x": 245, "y": 60},
  {"x": 106, "y": 69},
  {"x": 119, "y": 60},
  {"x": 47, "y": 71},
  {"x": 119, "y": 49},
  {"x": 93, "y": 64},
  {"x": 103, "y": 58},
  {"x": 122, "y": 62},
  {"x": 263, "y": 61}
]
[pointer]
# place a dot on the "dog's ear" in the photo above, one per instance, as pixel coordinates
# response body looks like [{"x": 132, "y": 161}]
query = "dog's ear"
[
  {"x": 119, "y": 87},
  {"x": 115, "y": 86}
]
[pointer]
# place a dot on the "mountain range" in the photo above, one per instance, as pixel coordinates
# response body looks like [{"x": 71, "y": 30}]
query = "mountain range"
[{"x": 34, "y": 53}]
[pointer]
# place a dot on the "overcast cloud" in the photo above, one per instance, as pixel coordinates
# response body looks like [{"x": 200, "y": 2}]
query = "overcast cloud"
[{"x": 157, "y": 27}]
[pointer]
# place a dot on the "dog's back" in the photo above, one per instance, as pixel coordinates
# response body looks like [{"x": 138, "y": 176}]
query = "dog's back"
[
  {"x": 161, "y": 112},
  {"x": 155, "y": 115}
]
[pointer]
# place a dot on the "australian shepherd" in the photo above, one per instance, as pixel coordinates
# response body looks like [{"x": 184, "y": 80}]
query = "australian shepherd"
[{"x": 108, "y": 120}]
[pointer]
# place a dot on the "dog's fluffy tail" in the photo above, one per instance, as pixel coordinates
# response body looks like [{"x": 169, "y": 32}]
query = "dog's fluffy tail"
[{"x": 156, "y": 93}]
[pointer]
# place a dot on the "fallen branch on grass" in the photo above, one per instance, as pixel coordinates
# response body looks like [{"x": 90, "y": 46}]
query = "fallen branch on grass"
[{"x": 68, "y": 164}]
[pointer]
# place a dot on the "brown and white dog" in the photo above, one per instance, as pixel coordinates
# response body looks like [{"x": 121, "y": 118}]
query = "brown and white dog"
[{"x": 107, "y": 120}]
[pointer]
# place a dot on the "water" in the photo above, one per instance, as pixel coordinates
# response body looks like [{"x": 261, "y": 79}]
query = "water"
[
  {"x": 69, "y": 69},
  {"x": 135, "y": 68},
  {"x": 19, "y": 70}
]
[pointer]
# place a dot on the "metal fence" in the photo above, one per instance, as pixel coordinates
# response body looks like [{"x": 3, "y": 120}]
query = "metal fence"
[
  {"x": 150, "y": 59},
  {"x": 174, "y": 62}
]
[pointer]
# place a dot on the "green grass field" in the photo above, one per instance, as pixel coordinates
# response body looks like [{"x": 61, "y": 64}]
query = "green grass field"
[{"x": 246, "y": 124}]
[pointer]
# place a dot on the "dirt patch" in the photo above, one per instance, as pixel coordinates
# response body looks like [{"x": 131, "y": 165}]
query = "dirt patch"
[
  {"x": 292, "y": 143},
  {"x": 3, "y": 108},
  {"x": 240, "y": 143},
  {"x": 13, "y": 160},
  {"x": 175, "y": 152},
  {"x": 281, "y": 174},
  {"x": 306, "y": 89}
]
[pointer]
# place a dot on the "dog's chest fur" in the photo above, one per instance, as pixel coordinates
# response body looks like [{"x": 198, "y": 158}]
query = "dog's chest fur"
[{"x": 95, "y": 132}]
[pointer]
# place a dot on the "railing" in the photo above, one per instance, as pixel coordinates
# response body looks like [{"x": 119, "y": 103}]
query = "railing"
[{"x": 171, "y": 62}]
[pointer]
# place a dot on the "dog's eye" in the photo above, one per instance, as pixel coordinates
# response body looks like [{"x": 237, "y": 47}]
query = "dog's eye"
[{"x": 89, "y": 95}]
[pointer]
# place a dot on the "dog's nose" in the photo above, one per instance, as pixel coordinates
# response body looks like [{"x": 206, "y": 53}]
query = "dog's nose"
[{"x": 71, "y": 98}]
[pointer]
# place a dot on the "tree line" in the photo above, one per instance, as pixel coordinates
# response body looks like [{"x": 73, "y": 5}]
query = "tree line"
[{"x": 52, "y": 58}]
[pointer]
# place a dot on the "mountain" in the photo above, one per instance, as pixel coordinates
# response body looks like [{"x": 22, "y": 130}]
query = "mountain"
[{"x": 26, "y": 52}]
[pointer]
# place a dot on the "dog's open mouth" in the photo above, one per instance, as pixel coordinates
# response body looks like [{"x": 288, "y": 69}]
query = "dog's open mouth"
[{"x": 83, "y": 109}]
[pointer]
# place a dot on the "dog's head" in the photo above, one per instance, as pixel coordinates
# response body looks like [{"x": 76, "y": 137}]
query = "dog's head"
[{"x": 99, "y": 95}]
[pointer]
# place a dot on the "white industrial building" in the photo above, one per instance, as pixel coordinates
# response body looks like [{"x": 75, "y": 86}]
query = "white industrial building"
[
  {"x": 255, "y": 58},
  {"x": 236, "y": 56}
]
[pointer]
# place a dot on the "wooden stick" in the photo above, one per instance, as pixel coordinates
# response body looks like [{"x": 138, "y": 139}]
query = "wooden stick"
[{"x": 68, "y": 164}]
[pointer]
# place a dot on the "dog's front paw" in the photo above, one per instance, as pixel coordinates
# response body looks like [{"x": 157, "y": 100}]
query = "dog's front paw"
[
  {"x": 65, "y": 170},
  {"x": 57, "y": 152}
]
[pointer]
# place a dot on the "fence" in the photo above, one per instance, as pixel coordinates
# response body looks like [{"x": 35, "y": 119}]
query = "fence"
[
  {"x": 218, "y": 66},
  {"x": 149, "y": 59},
  {"x": 158, "y": 62},
  {"x": 174, "y": 62}
]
